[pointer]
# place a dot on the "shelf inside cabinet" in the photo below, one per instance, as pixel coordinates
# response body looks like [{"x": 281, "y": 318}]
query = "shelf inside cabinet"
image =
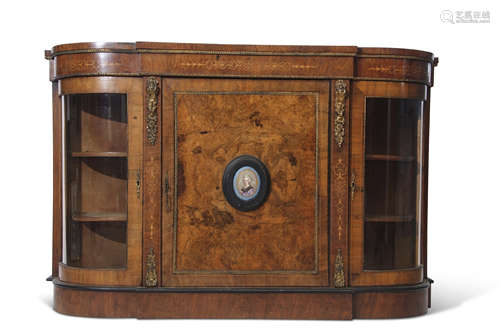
[
  {"x": 390, "y": 218},
  {"x": 394, "y": 158},
  {"x": 99, "y": 154},
  {"x": 99, "y": 217}
]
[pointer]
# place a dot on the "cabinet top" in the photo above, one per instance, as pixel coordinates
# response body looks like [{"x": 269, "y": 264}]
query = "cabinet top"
[
  {"x": 245, "y": 61},
  {"x": 234, "y": 49}
]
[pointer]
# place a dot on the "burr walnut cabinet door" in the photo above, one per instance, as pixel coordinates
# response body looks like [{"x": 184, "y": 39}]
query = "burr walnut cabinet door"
[{"x": 206, "y": 240}]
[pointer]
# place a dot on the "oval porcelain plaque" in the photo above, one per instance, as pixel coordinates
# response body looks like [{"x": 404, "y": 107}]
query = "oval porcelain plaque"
[{"x": 245, "y": 183}]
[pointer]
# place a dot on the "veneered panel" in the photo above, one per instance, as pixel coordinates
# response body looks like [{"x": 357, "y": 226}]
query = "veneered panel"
[
  {"x": 279, "y": 129},
  {"x": 247, "y": 66},
  {"x": 284, "y": 125}
]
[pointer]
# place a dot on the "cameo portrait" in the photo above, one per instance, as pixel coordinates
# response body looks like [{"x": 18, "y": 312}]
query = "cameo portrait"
[{"x": 246, "y": 183}]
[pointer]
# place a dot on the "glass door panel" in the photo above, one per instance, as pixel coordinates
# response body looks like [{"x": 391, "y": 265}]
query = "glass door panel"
[
  {"x": 96, "y": 165},
  {"x": 393, "y": 136}
]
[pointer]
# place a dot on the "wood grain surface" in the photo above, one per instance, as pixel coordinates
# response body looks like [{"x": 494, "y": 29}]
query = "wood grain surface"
[
  {"x": 151, "y": 180},
  {"x": 339, "y": 186},
  {"x": 144, "y": 305},
  {"x": 131, "y": 274},
  {"x": 396, "y": 302},
  {"x": 57, "y": 181},
  {"x": 358, "y": 275},
  {"x": 284, "y": 125},
  {"x": 250, "y": 61},
  {"x": 218, "y": 102}
]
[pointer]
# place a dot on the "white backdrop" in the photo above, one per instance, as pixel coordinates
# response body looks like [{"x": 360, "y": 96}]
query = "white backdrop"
[{"x": 464, "y": 224}]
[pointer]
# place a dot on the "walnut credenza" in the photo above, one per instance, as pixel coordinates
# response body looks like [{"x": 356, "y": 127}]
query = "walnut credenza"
[{"x": 235, "y": 181}]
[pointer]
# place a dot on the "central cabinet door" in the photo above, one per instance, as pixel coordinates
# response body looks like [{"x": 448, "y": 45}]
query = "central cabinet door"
[{"x": 207, "y": 123}]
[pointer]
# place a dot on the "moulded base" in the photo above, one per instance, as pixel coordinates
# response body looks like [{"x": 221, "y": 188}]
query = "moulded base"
[{"x": 243, "y": 303}]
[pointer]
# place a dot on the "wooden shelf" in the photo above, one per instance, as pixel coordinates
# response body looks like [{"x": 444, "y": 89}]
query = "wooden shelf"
[
  {"x": 394, "y": 158},
  {"x": 99, "y": 217},
  {"x": 99, "y": 154},
  {"x": 390, "y": 218}
]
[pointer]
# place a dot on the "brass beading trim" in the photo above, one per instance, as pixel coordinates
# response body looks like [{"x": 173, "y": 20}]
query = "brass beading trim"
[
  {"x": 237, "y": 76},
  {"x": 50, "y": 55}
]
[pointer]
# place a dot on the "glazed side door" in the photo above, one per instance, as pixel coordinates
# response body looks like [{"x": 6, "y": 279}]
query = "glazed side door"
[
  {"x": 388, "y": 164},
  {"x": 207, "y": 123},
  {"x": 101, "y": 185}
]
